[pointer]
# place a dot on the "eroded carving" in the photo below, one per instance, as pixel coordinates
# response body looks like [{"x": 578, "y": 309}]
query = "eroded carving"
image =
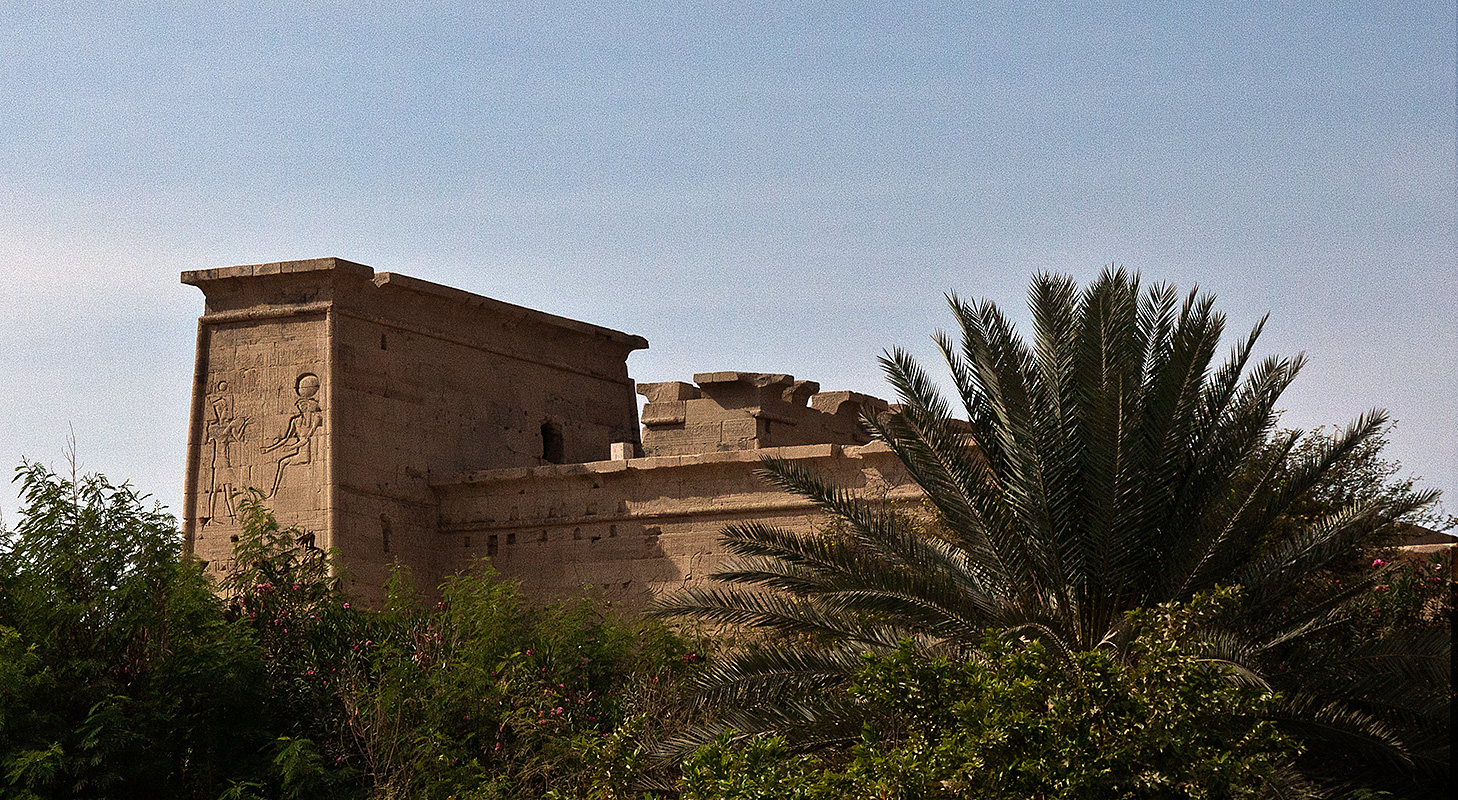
[
  {"x": 295, "y": 446},
  {"x": 224, "y": 429}
]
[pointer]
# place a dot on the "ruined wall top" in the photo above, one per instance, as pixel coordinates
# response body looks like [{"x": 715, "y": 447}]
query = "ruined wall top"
[{"x": 749, "y": 411}]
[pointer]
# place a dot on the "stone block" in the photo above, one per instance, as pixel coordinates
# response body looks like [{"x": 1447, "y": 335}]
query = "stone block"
[
  {"x": 847, "y": 403},
  {"x": 743, "y": 389},
  {"x": 738, "y": 434},
  {"x": 799, "y": 391},
  {"x": 662, "y": 414},
  {"x": 668, "y": 391}
]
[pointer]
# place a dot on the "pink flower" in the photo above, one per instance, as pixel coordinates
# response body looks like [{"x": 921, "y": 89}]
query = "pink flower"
[
  {"x": 1384, "y": 587},
  {"x": 1377, "y": 562},
  {"x": 346, "y": 605},
  {"x": 296, "y": 587}
]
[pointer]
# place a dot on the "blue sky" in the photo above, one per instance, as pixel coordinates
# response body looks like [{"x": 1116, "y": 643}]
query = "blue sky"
[{"x": 750, "y": 186}]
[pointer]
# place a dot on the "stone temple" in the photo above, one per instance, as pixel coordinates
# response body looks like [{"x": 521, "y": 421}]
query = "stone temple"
[{"x": 405, "y": 422}]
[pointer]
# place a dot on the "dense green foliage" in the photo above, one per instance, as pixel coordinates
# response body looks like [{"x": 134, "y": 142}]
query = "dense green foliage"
[
  {"x": 474, "y": 695},
  {"x": 122, "y": 673},
  {"x": 1016, "y": 722},
  {"x": 1107, "y": 466},
  {"x": 120, "y": 676}
]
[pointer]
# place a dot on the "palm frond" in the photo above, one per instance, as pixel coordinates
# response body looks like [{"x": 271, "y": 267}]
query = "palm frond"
[
  {"x": 1108, "y": 464},
  {"x": 777, "y": 612}
]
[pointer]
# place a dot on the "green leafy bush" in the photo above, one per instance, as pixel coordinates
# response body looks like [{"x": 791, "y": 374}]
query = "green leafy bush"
[
  {"x": 473, "y": 693},
  {"x": 119, "y": 675},
  {"x": 1019, "y": 721},
  {"x": 123, "y": 674},
  {"x": 483, "y": 695}
]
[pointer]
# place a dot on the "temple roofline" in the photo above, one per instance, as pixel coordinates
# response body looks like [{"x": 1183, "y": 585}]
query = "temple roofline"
[{"x": 393, "y": 280}]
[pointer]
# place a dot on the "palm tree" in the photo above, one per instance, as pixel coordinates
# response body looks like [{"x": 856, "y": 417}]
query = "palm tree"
[{"x": 1109, "y": 465}]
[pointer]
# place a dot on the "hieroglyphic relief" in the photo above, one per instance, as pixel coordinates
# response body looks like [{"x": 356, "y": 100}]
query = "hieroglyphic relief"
[
  {"x": 223, "y": 429},
  {"x": 258, "y": 430},
  {"x": 295, "y": 446}
]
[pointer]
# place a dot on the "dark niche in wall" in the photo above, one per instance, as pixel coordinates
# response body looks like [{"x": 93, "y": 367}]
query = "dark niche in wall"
[{"x": 552, "y": 442}]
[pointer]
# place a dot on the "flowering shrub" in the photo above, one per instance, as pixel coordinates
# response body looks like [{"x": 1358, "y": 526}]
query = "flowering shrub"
[{"x": 1414, "y": 587}]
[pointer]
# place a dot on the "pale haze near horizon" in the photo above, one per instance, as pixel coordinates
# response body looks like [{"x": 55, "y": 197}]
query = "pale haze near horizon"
[{"x": 759, "y": 187}]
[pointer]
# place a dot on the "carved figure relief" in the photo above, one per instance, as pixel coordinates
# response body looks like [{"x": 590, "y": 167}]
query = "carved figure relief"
[
  {"x": 223, "y": 429},
  {"x": 295, "y": 446}
]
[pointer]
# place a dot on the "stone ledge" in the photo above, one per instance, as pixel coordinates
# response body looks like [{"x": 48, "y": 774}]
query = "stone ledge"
[
  {"x": 397, "y": 281},
  {"x": 198, "y": 277},
  {"x": 257, "y": 313},
  {"x": 798, "y": 453},
  {"x": 783, "y": 503},
  {"x": 1424, "y": 549}
]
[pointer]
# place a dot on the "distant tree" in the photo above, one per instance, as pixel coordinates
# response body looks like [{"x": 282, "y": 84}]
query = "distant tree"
[
  {"x": 1111, "y": 466},
  {"x": 1366, "y": 476}
]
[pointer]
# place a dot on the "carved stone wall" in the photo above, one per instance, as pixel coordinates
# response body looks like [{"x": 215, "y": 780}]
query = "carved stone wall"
[
  {"x": 435, "y": 382},
  {"x": 339, "y": 393},
  {"x": 259, "y": 421},
  {"x": 405, "y": 422}
]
